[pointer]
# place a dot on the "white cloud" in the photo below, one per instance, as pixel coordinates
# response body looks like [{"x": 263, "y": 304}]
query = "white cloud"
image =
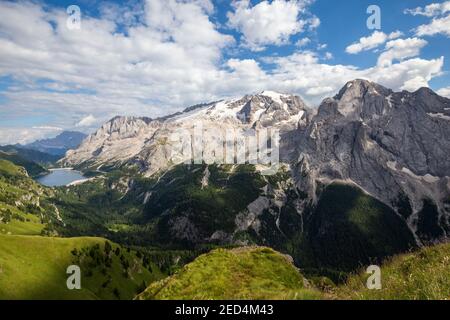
[
  {"x": 319, "y": 90},
  {"x": 153, "y": 69},
  {"x": 430, "y": 10},
  {"x": 374, "y": 40},
  {"x": 314, "y": 23},
  {"x": 302, "y": 42},
  {"x": 25, "y": 135},
  {"x": 409, "y": 74},
  {"x": 440, "y": 24},
  {"x": 269, "y": 23},
  {"x": 436, "y": 26},
  {"x": 50, "y": 128},
  {"x": 87, "y": 121},
  {"x": 401, "y": 49},
  {"x": 171, "y": 61},
  {"x": 445, "y": 92},
  {"x": 328, "y": 56},
  {"x": 395, "y": 34},
  {"x": 303, "y": 74},
  {"x": 129, "y": 14}
]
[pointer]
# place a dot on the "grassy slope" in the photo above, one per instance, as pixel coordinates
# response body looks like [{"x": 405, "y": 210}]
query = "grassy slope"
[
  {"x": 261, "y": 273},
  {"x": 244, "y": 273},
  {"x": 41, "y": 158},
  {"x": 8, "y": 168},
  {"x": 22, "y": 223},
  {"x": 33, "y": 267},
  {"x": 32, "y": 168},
  {"x": 424, "y": 274},
  {"x": 23, "y": 206}
]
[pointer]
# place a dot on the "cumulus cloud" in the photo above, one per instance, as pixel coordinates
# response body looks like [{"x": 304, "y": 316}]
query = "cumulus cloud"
[
  {"x": 166, "y": 56},
  {"x": 302, "y": 73},
  {"x": 401, "y": 49},
  {"x": 328, "y": 56},
  {"x": 87, "y": 121},
  {"x": 445, "y": 92},
  {"x": 269, "y": 23},
  {"x": 313, "y": 22},
  {"x": 302, "y": 42},
  {"x": 430, "y": 10},
  {"x": 25, "y": 135},
  {"x": 50, "y": 128},
  {"x": 436, "y": 26},
  {"x": 153, "y": 68},
  {"x": 440, "y": 24},
  {"x": 376, "y": 39}
]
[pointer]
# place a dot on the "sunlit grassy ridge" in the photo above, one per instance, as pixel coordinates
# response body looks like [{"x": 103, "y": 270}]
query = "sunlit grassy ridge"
[
  {"x": 20, "y": 223},
  {"x": 422, "y": 275},
  {"x": 25, "y": 208},
  {"x": 8, "y": 168},
  {"x": 243, "y": 273},
  {"x": 34, "y": 267},
  {"x": 33, "y": 169},
  {"x": 262, "y": 273}
]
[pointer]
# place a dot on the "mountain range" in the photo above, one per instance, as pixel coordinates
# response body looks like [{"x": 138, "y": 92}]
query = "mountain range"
[
  {"x": 363, "y": 176},
  {"x": 35, "y": 157},
  {"x": 362, "y": 179}
]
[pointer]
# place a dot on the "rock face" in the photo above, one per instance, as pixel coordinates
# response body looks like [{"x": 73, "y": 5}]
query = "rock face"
[
  {"x": 147, "y": 142},
  {"x": 116, "y": 141},
  {"x": 394, "y": 146}
]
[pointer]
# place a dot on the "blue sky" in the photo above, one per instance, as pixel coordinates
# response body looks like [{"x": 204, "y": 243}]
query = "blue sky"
[{"x": 156, "y": 57}]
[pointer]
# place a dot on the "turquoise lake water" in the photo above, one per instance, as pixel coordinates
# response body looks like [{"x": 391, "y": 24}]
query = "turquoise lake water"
[{"x": 60, "y": 177}]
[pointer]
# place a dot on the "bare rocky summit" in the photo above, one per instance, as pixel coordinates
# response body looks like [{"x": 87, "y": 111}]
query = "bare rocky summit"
[{"x": 393, "y": 145}]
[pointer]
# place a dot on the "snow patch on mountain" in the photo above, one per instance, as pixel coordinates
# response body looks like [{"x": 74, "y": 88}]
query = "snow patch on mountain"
[{"x": 275, "y": 96}]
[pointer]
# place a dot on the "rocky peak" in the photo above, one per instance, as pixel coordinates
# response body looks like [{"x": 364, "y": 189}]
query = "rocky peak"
[
  {"x": 273, "y": 95},
  {"x": 359, "y": 88},
  {"x": 269, "y": 107},
  {"x": 358, "y": 100},
  {"x": 122, "y": 126},
  {"x": 429, "y": 101}
]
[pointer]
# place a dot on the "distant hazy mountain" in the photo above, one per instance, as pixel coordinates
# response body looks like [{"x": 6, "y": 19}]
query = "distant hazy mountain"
[
  {"x": 60, "y": 144},
  {"x": 41, "y": 158}
]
